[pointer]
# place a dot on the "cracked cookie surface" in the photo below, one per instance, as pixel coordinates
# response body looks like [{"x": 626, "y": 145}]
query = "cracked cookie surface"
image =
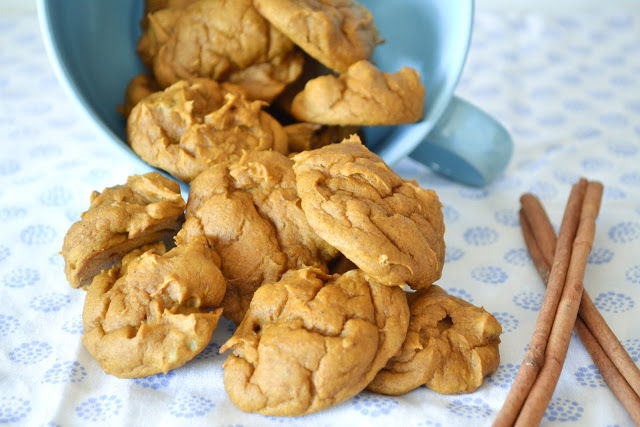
[
  {"x": 389, "y": 227},
  {"x": 363, "y": 96},
  {"x": 335, "y": 32},
  {"x": 192, "y": 125},
  {"x": 150, "y": 314},
  {"x": 250, "y": 212},
  {"x": 147, "y": 209},
  {"x": 221, "y": 40},
  {"x": 311, "y": 341},
  {"x": 450, "y": 347}
]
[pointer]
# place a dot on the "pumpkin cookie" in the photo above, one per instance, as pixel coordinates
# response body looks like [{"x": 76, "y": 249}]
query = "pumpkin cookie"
[
  {"x": 309, "y": 136},
  {"x": 389, "y": 227},
  {"x": 450, "y": 347},
  {"x": 150, "y": 314},
  {"x": 147, "y": 209},
  {"x": 221, "y": 40},
  {"x": 362, "y": 96},
  {"x": 335, "y": 32},
  {"x": 193, "y": 125},
  {"x": 141, "y": 86},
  {"x": 312, "y": 341},
  {"x": 250, "y": 212}
]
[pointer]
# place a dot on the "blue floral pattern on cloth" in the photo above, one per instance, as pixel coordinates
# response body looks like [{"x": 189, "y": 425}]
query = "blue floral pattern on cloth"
[
  {"x": 480, "y": 236},
  {"x": 5, "y": 252},
  {"x": 37, "y": 235},
  {"x": 613, "y": 302},
  {"x": 209, "y": 352},
  {"x": 99, "y": 408},
  {"x": 625, "y": 232},
  {"x": 563, "y": 410},
  {"x": 529, "y": 300},
  {"x": 452, "y": 254},
  {"x": 428, "y": 424},
  {"x": 504, "y": 376},
  {"x": 48, "y": 302},
  {"x": 73, "y": 326},
  {"x": 450, "y": 214},
  {"x": 70, "y": 371},
  {"x": 21, "y": 277},
  {"x": 519, "y": 257},
  {"x": 489, "y": 274},
  {"x": 460, "y": 293},
  {"x": 632, "y": 346},
  {"x": 9, "y": 213},
  {"x": 373, "y": 405},
  {"x": 589, "y": 376},
  {"x": 600, "y": 256},
  {"x": 507, "y": 217},
  {"x": 29, "y": 353},
  {"x": 469, "y": 407},
  {"x": 56, "y": 196},
  {"x": 8, "y": 325},
  {"x": 190, "y": 406},
  {"x": 508, "y": 321},
  {"x": 13, "y": 409},
  {"x": 156, "y": 381},
  {"x": 633, "y": 274}
]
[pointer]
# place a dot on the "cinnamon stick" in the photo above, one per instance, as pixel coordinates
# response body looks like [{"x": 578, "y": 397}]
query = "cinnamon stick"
[
  {"x": 535, "y": 355},
  {"x": 608, "y": 369},
  {"x": 610, "y": 343},
  {"x": 540, "y": 394}
]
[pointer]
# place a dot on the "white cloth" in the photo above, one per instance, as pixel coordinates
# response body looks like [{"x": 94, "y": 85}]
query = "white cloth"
[{"x": 566, "y": 87}]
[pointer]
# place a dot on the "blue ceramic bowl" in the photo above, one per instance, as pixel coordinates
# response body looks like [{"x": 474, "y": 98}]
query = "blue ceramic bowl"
[{"x": 92, "y": 45}]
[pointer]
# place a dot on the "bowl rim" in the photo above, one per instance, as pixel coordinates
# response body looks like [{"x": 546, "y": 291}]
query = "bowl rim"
[
  {"x": 62, "y": 71},
  {"x": 393, "y": 153}
]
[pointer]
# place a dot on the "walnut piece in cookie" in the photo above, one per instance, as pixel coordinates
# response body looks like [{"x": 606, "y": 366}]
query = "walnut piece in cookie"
[
  {"x": 221, "y": 40},
  {"x": 192, "y": 125},
  {"x": 250, "y": 212},
  {"x": 147, "y": 209},
  {"x": 312, "y": 341},
  {"x": 363, "y": 96},
  {"x": 335, "y": 32},
  {"x": 150, "y": 314},
  {"x": 389, "y": 227},
  {"x": 450, "y": 347}
]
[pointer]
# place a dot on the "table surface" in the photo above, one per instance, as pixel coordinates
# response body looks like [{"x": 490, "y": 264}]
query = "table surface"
[{"x": 567, "y": 87}]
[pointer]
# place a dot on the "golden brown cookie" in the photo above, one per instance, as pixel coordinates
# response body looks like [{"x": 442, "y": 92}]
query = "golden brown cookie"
[
  {"x": 335, "y": 32},
  {"x": 309, "y": 136},
  {"x": 141, "y": 86},
  {"x": 151, "y": 6},
  {"x": 192, "y": 125},
  {"x": 362, "y": 96},
  {"x": 389, "y": 227},
  {"x": 150, "y": 314},
  {"x": 147, "y": 209},
  {"x": 250, "y": 212},
  {"x": 450, "y": 347},
  {"x": 312, "y": 341},
  {"x": 221, "y": 40}
]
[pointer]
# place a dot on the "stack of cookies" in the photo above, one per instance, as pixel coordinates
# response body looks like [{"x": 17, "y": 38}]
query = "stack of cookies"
[{"x": 320, "y": 253}]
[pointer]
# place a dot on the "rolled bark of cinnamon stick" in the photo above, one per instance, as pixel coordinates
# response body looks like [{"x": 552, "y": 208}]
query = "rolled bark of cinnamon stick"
[
  {"x": 535, "y": 355},
  {"x": 540, "y": 395},
  {"x": 609, "y": 371}
]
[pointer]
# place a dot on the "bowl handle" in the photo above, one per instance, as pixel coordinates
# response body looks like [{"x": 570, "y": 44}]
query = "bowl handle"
[{"x": 466, "y": 145}]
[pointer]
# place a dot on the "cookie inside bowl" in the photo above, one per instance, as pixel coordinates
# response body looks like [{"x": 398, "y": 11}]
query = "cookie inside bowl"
[{"x": 93, "y": 48}]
